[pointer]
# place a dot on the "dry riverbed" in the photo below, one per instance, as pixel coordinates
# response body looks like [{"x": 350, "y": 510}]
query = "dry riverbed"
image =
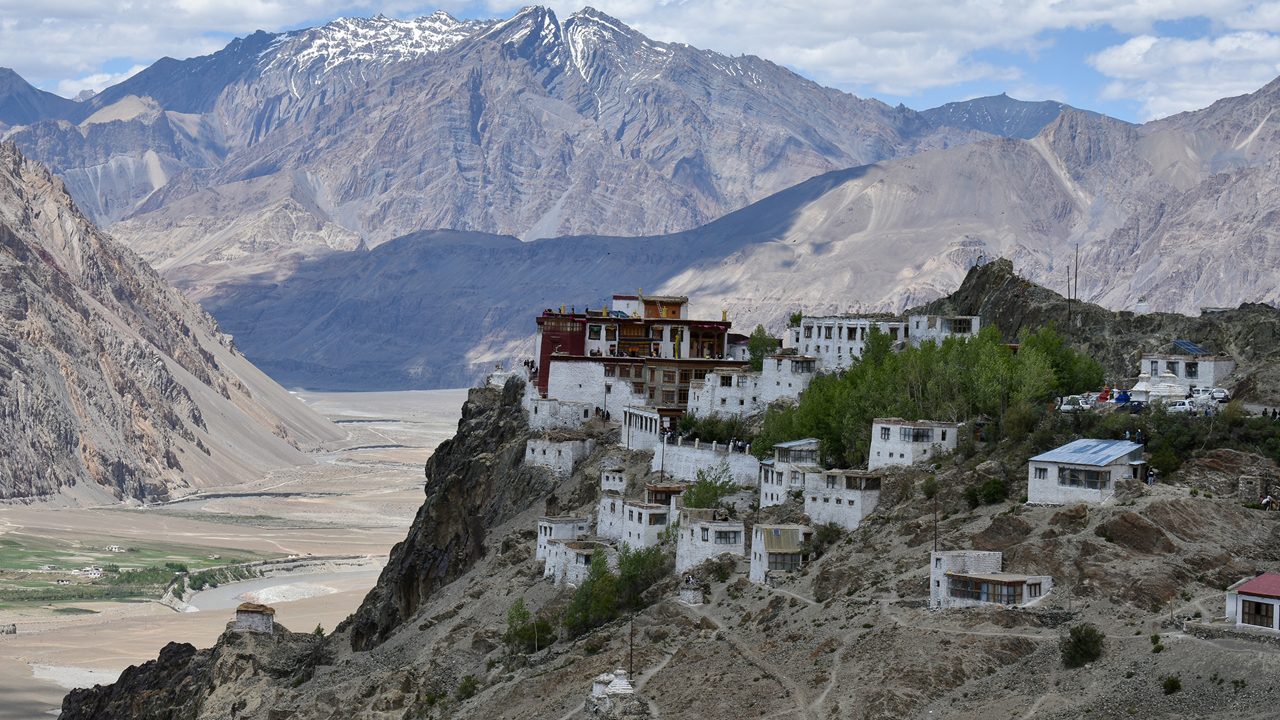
[{"x": 357, "y": 500}]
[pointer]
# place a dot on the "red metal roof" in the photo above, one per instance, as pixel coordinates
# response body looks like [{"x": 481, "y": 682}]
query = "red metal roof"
[{"x": 1265, "y": 585}]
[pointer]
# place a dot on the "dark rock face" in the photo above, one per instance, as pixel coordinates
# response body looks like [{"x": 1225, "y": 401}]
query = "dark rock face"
[
  {"x": 999, "y": 115},
  {"x": 167, "y": 688},
  {"x": 475, "y": 481}
]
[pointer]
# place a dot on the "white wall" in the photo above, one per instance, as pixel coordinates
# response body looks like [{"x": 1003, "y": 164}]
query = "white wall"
[
  {"x": 637, "y": 532},
  {"x": 567, "y": 565},
  {"x": 613, "y": 480},
  {"x": 939, "y": 327},
  {"x": 1235, "y": 612},
  {"x": 848, "y": 337},
  {"x": 683, "y": 461},
  {"x": 610, "y": 512},
  {"x": 896, "y": 451},
  {"x": 559, "y": 456},
  {"x": 560, "y": 528},
  {"x": 696, "y": 542},
  {"x": 1211, "y": 369},
  {"x": 839, "y": 505},
  {"x": 640, "y": 428},
  {"x": 784, "y": 378},
  {"x": 958, "y": 561},
  {"x": 1047, "y": 491},
  {"x": 710, "y": 396}
]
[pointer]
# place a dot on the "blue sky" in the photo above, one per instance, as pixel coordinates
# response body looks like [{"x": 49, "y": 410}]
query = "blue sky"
[{"x": 1133, "y": 60}]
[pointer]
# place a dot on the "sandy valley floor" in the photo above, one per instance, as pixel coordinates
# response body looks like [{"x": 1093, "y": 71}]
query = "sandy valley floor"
[{"x": 357, "y": 499}]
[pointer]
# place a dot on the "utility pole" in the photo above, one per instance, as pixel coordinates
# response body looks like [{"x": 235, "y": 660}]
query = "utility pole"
[
  {"x": 631, "y": 649},
  {"x": 935, "y": 521},
  {"x": 1075, "y": 293}
]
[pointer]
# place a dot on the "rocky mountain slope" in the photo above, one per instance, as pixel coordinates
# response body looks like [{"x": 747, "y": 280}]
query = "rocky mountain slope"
[
  {"x": 997, "y": 115},
  {"x": 112, "y": 384},
  {"x": 366, "y": 129},
  {"x": 848, "y": 637}
]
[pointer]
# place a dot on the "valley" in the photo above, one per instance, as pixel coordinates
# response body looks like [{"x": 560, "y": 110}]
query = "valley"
[{"x": 355, "y": 502}]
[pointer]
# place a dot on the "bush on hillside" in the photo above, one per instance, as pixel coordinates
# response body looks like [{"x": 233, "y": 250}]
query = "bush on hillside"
[{"x": 1082, "y": 645}]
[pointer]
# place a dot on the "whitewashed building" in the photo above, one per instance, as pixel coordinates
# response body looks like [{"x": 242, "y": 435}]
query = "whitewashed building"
[
  {"x": 837, "y": 340},
  {"x": 741, "y": 392},
  {"x": 895, "y": 441},
  {"x": 558, "y": 455},
  {"x": 253, "y": 617},
  {"x": 843, "y": 497},
  {"x": 784, "y": 473},
  {"x": 683, "y": 459},
  {"x": 613, "y": 479},
  {"x": 644, "y": 524},
  {"x": 968, "y": 578},
  {"x": 703, "y": 535},
  {"x": 778, "y": 550},
  {"x": 642, "y": 427},
  {"x": 569, "y": 561},
  {"x": 1190, "y": 366},
  {"x": 940, "y": 327},
  {"x": 611, "y": 511},
  {"x": 563, "y": 527},
  {"x": 1082, "y": 471},
  {"x": 1254, "y": 602}
]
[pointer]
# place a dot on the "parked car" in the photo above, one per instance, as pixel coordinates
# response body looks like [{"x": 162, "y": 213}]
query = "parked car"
[
  {"x": 1071, "y": 403},
  {"x": 1182, "y": 407},
  {"x": 1220, "y": 394}
]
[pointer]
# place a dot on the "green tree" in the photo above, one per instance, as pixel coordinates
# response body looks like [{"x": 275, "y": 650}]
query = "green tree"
[
  {"x": 595, "y": 602},
  {"x": 638, "y": 570},
  {"x": 1083, "y": 645},
  {"x": 709, "y": 487},
  {"x": 526, "y": 632},
  {"x": 759, "y": 344}
]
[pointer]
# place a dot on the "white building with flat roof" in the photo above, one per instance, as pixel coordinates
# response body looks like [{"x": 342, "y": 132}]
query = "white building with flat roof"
[
  {"x": 842, "y": 497},
  {"x": 1083, "y": 471},
  {"x": 613, "y": 479},
  {"x": 1189, "y": 366},
  {"x": 837, "y": 340},
  {"x": 784, "y": 473},
  {"x": 644, "y": 524},
  {"x": 969, "y": 578},
  {"x": 569, "y": 561},
  {"x": 778, "y": 550},
  {"x": 895, "y": 441},
  {"x": 558, "y": 455},
  {"x": 643, "y": 427},
  {"x": 740, "y": 392},
  {"x": 940, "y": 327},
  {"x": 1254, "y": 602},
  {"x": 564, "y": 527},
  {"x": 704, "y": 534}
]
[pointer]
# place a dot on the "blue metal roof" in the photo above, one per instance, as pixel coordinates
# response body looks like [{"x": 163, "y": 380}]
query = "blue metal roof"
[
  {"x": 1089, "y": 452},
  {"x": 1189, "y": 347}
]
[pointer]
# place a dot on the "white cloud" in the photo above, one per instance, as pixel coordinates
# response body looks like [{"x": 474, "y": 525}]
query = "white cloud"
[
  {"x": 95, "y": 82},
  {"x": 1171, "y": 75}
]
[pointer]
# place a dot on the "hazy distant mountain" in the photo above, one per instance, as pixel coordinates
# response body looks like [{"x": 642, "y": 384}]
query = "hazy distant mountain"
[
  {"x": 367, "y": 129},
  {"x": 22, "y": 104},
  {"x": 997, "y": 115},
  {"x": 1180, "y": 212},
  {"x": 112, "y": 384}
]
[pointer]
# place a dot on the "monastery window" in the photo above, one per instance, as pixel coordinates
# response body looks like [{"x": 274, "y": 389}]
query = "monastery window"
[
  {"x": 1080, "y": 478},
  {"x": 668, "y": 396},
  {"x": 699, "y": 374},
  {"x": 658, "y": 519},
  {"x": 1257, "y": 613},
  {"x": 726, "y": 381},
  {"x": 917, "y": 435},
  {"x": 653, "y": 375},
  {"x": 669, "y": 377},
  {"x": 624, "y": 371},
  {"x": 652, "y": 392},
  {"x": 608, "y": 389},
  {"x": 1042, "y": 473},
  {"x": 593, "y": 332},
  {"x": 839, "y": 501},
  {"x": 1171, "y": 366},
  {"x": 741, "y": 402},
  {"x": 705, "y": 534},
  {"x": 611, "y": 332},
  {"x": 827, "y": 334},
  {"x": 826, "y": 500},
  {"x": 813, "y": 498},
  {"x": 726, "y": 537},
  {"x": 1155, "y": 368},
  {"x": 613, "y": 506},
  {"x": 722, "y": 400},
  {"x": 684, "y": 396},
  {"x": 637, "y": 388},
  {"x": 808, "y": 332},
  {"x": 1033, "y": 590},
  {"x": 884, "y": 433},
  {"x": 937, "y": 562},
  {"x": 785, "y": 562},
  {"x": 1191, "y": 370},
  {"x": 630, "y": 516},
  {"x": 944, "y": 436},
  {"x": 831, "y": 482},
  {"x": 686, "y": 376},
  {"x": 610, "y": 371}
]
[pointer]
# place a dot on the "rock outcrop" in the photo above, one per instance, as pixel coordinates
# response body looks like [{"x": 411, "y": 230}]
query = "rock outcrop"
[{"x": 112, "y": 384}]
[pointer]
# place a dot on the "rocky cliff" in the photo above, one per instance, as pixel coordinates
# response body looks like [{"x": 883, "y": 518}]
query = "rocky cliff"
[
  {"x": 112, "y": 384},
  {"x": 847, "y": 637}
]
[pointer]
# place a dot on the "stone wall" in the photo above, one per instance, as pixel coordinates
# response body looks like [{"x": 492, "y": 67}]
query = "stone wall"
[
  {"x": 684, "y": 459},
  {"x": 557, "y": 455}
]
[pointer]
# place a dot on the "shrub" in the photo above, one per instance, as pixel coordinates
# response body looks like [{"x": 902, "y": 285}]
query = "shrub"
[
  {"x": 467, "y": 688},
  {"x": 930, "y": 487},
  {"x": 994, "y": 490},
  {"x": 1171, "y": 684},
  {"x": 1082, "y": 645},
  {"x": 824, "y": 536},
  {"x": 638, "y": 570},
  {"x": 710, "y": 487},
  {"x": 525, "y": 632},
  {"x": 319, "y": 631}
]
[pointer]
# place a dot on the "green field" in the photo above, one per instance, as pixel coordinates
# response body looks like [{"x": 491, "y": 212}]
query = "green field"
[{"x": 141, "y": 571}]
